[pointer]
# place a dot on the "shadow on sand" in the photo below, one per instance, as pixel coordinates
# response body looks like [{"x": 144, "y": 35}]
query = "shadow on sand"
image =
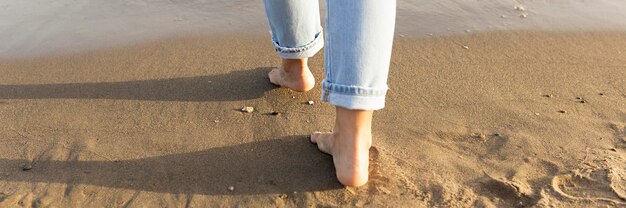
[
  {"x": 236, "y": 85},
  {"x": 281, "y": 165}
]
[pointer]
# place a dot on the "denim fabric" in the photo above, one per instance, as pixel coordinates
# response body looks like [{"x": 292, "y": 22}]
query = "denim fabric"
[
  {"x": 359, "y": 36},
  {"x": 301, "y": 51}
]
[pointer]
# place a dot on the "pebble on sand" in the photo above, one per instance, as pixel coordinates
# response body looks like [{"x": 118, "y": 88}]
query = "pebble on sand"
[
  {"x": 479, "y": 135},
  {"x": 274, "y": 113},
  {"x": 231, "y": 188},
  {"x": 562, "y": 111},
  {"x": 465, "y": 47},
  {"x": 27, "y": 167},
  {"x": 310, "y": 102},
  {"x": 523, "y": 15},
  {"x": 520, "y": 8},
  {"x": 282, "y": 196},
  {"x": 247, "y": 109},
  {"x": 548, "y": 95}
]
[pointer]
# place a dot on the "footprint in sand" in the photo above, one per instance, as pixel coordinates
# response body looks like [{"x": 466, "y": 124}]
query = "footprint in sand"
[
  {"x": 521, "y": 186},
  {"x": 593, "y": 185},
  {"x": 607, "y": 183},
  {"x": 508, "y": 189}
]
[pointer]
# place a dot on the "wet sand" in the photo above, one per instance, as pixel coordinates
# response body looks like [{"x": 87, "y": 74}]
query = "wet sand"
[
  {"x": 39, "y": 28},
  {"x": 499, "y": 124}
]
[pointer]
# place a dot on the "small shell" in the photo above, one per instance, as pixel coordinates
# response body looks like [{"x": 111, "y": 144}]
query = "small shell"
[
  {"x": 247, "y": 109},
  {"x": 523, "y": 15},
  {"x": 231, "y": 188},
  {"x": 519, "y": 8},
  {"x": 465, "y": 47},
  {"x": 310, "y": 102}
]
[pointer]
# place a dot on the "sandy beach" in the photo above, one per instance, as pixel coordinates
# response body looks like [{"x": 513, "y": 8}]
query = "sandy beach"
[{"x": 503, "y": 117}]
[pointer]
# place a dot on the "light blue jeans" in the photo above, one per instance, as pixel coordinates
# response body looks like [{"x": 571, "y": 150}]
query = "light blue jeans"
[{"x": 359, "y": 36}]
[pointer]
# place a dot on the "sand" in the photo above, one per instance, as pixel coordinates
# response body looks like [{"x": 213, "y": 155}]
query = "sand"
[
  {"x": 137, "y": 104},
  {"x": 158, "y": 125}
]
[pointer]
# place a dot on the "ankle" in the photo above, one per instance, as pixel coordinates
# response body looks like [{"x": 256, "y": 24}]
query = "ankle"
[{"x": 295, "y": 65}]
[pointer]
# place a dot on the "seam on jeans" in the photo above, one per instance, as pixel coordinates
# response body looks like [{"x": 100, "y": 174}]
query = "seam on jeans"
[
  {"x": 329, "y": 47},
  {"x": 299, "y": 49},
  {"x": 324, "y": 95}
]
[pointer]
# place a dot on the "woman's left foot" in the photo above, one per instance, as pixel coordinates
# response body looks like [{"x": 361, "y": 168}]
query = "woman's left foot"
[{"x": 293, "y": 74}]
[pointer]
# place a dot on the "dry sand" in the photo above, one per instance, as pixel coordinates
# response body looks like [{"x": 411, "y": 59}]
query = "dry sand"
[{"x": 157, "y": 125}]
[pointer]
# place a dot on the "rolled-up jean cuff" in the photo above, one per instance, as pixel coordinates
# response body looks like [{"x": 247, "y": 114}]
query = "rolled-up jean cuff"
[
  {"x": 305, "y": 51},
  {"x": 353, "y": 97}
]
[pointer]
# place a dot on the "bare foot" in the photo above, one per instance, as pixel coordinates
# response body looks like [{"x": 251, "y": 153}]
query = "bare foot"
[
  {"x": 293, "y": 74},
  {"x": 349, "y": 145}
]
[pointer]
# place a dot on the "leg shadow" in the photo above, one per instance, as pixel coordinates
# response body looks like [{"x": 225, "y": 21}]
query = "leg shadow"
[
  {"x": 280, "y": 165},
  {"x": 236, "y": 85}
]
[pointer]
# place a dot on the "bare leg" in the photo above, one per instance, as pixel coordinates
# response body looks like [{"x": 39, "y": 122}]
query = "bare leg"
[
  {"x": 293, "y": 74},
  {"x": 349, "y": 145}
]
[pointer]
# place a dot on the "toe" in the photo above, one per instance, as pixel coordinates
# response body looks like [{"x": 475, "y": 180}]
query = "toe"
[
  {"x": 323, "y": 141},
  {"x": 315, "y": 136},
  {"x": 274, "y": 76}
]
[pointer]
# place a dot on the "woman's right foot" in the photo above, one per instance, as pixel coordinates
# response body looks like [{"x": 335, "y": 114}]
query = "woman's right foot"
[
  {"x": 293, "y": 74},
  {"x": 349, "y": 145}
]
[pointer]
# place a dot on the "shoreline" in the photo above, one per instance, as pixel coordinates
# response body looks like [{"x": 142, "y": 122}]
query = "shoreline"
[{"x": 36, "y": 28}]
